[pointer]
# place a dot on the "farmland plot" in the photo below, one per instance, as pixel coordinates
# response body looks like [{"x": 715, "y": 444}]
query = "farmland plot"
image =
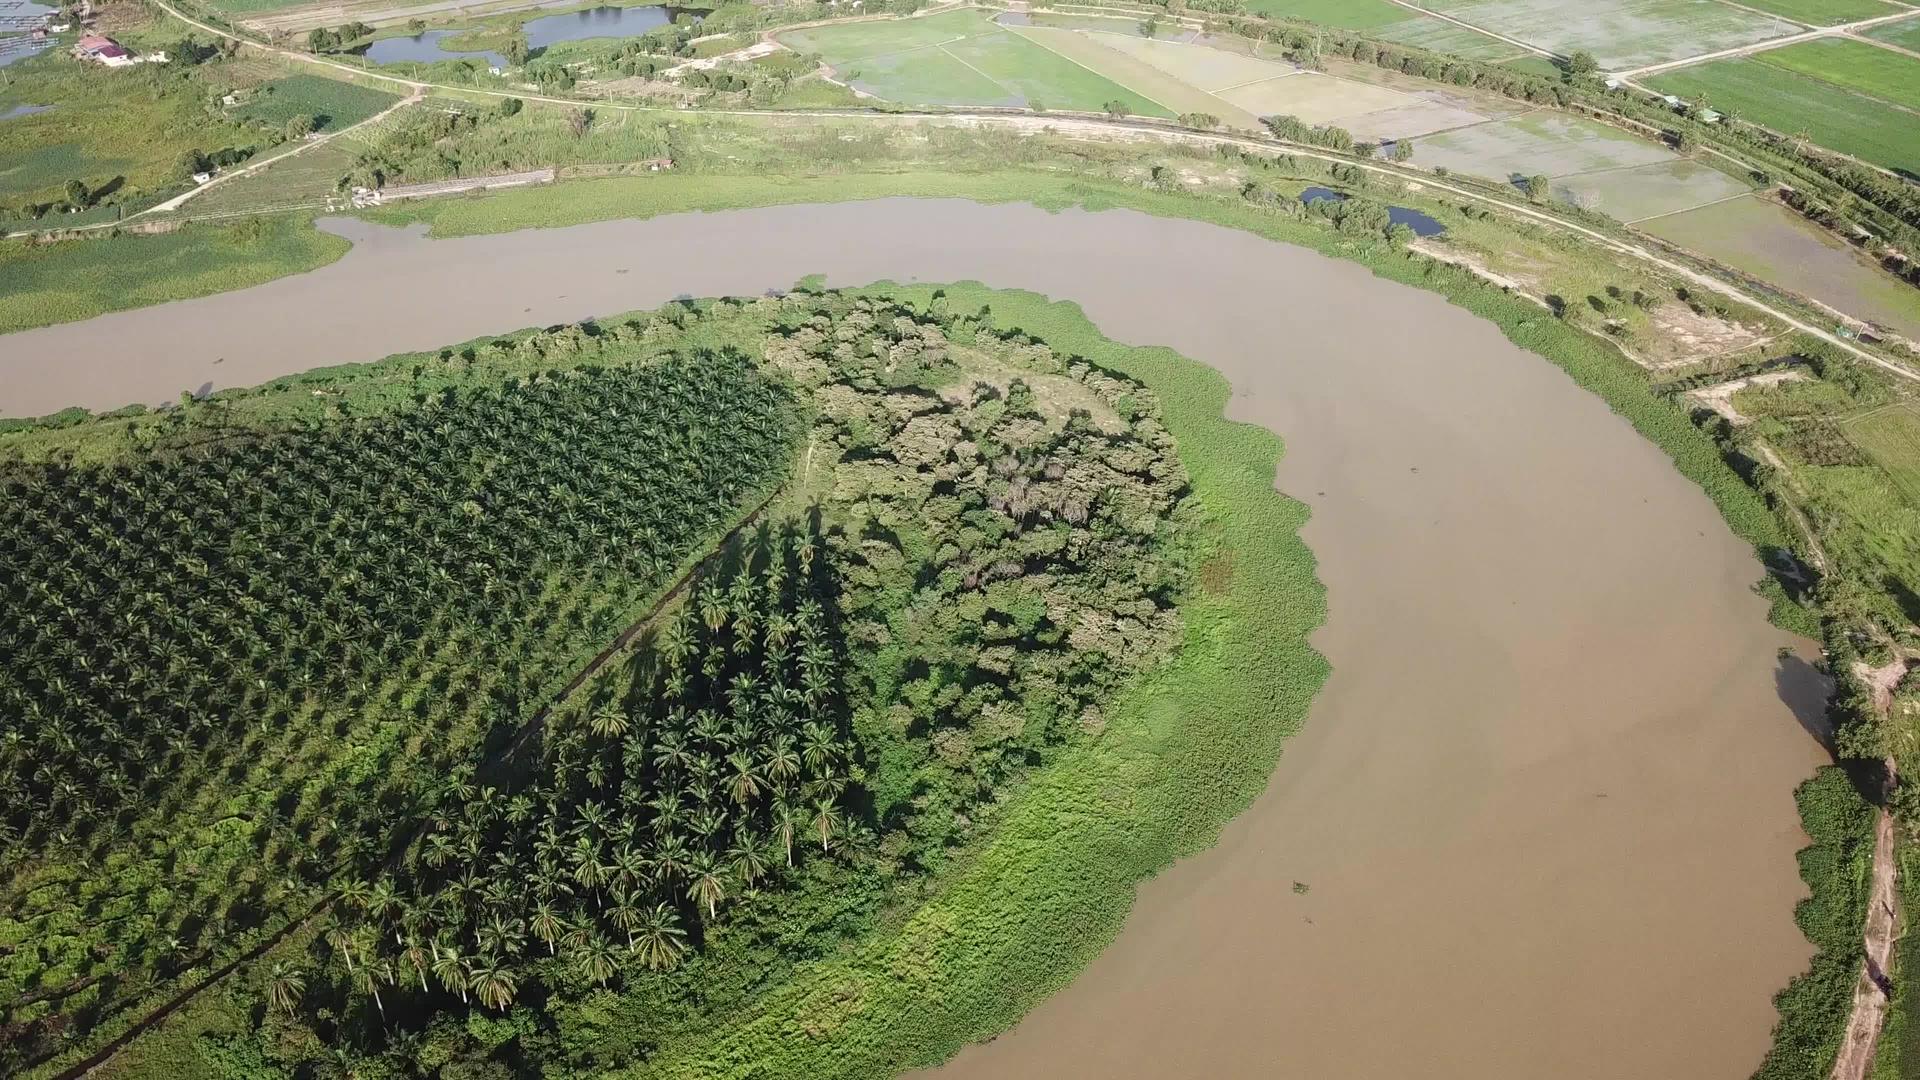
[
  {"x": 1882, "y": 73},
  {"x": 1822, "y": 12},
  {"x": 1626, "y": 34},
  {"x": 1905, "y": 33},
  {"x": 961, "y": 58},
  {"x": 1891, "y": 437},
  {"x": 1792, "y": 104}
]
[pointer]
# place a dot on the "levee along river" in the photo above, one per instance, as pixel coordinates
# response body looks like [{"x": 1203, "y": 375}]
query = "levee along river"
[{"x": 1544, "y": 804}]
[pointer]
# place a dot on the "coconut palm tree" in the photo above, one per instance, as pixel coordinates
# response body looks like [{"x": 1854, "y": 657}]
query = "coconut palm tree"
[{"x": 285, "y": 986}]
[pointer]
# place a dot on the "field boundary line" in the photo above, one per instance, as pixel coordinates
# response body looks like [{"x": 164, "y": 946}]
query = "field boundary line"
[
  {"x": 1690, "y": 209},
  {"x": 896, "y": 52},
  {"x": 1776, "y": 16},
  {"x": 1256, "y": 82},
  {"x": 1130, "y": 89},
  {"x": 1887, "y": 45},
  {"x": 956, "y": 58}
]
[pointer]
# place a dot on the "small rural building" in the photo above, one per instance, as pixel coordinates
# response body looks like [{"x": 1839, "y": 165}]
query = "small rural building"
[{"x": 103, "y": 50}]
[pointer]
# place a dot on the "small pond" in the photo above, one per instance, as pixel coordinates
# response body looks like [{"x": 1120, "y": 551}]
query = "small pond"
[
  {"x": 599, "y": 22},
  {"x": 22, "y": 110},
  {"x": 1422, "y": 224}
]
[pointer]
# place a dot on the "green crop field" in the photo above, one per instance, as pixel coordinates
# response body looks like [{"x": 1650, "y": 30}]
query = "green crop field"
[
  {"x": 855, "y": 41},
  {"x": 1905, "y": 33},
  {"x": 1891, "y": 437},
  {"x": 1882, "y": 73},
  {"x": 331, "y": 103},
  {"x": 1791, "y": 103},
  {"x": 961, "y": 58},
  {"x": 1822, "y": 12},
  {"x": 1622, "y": 34},
  {"x": 1349, "y": 14}
]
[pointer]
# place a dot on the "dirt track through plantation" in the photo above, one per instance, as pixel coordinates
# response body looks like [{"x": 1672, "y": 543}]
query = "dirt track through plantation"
[{"x": 1543, "y": 806}]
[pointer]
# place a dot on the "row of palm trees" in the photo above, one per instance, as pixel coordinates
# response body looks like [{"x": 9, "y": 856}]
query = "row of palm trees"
[
  {"x": 704, "y": 771},
  {"x": 155, "y": 604}
]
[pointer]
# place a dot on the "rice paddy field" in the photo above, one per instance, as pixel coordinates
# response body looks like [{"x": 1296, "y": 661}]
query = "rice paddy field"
[
  {"x": 1623, "y": 34},
  {"x": 1792, "y": 103},
  {"x": 1772, "y": 242},
  {"x": 1439, "y": 35},
  {"x": 1905, "y": 33},
  {"x": 1822, "y": 12},
  {"x": 1856, "y": 65},
  {"x": 1590, "y": 164},
  {"x": 962, "y": 58},
  {"x": 1348, "y": 14}
]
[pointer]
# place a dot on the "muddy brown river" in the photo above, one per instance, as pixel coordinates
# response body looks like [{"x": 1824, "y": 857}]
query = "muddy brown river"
[{"x": 1543, "y": 805}]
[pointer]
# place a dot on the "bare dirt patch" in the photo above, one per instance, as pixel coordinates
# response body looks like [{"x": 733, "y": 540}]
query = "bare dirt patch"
[
  {"x": 1719, "y": 397},
  {"x": 1697, "y": 337}
]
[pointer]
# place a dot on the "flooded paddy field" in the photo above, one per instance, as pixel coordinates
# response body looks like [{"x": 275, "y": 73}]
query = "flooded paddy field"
[
  {"x": 1772, "y": 242},
  {"x": 1539, "y": 821}
]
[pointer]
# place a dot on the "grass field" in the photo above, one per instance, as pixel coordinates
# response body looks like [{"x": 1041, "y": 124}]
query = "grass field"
[
  {"x": 1882, "y": 73},
  {"x": 123, "y": 130},
  {"x": 1621, "y": 34},
  {"x": 848, "y": 42},
  {"x": 1791, "y": 103},
  {"x": 1891, "y": 437},
  {"x": 331, "y": 103},
  {"x": 962, "y": 58},
  {"x": 79, "y": 279},
  {"x": 1822, "y": 12},
  {"x": 1534, "y": 65},
  {"x": 1905, "y": 33}
]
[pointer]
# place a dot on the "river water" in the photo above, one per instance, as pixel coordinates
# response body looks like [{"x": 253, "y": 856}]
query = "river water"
[{"x": 1543, "y": 805}]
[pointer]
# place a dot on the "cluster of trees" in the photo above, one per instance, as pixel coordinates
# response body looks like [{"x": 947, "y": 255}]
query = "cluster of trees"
[
  {"x": 162, "y": 606},
  {"x": 813, "y": 729},
  {"x": 1292, "y": 129},
  {"x": 334, "y": 39},
  {"x": 722, "y": 761},
  {"x": 725, "y": 82}
]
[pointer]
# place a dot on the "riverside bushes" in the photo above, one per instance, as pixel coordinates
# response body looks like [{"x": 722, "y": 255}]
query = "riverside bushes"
[{"x": 1835, "y": 865}]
